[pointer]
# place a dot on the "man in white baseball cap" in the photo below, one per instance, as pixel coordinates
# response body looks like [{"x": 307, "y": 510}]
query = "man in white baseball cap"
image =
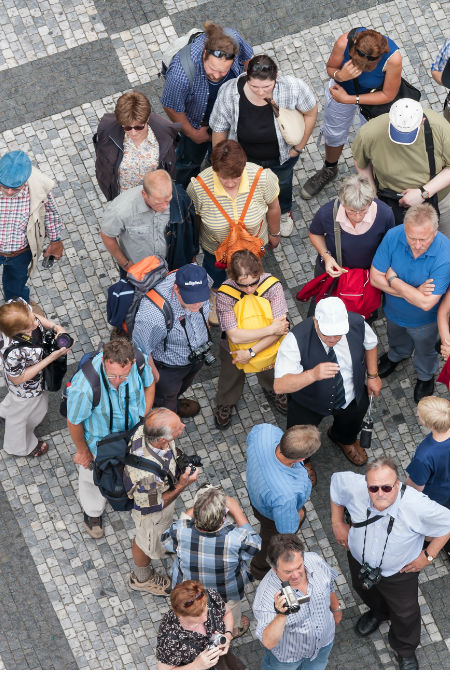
[
  {"x": 406, "y": 154},
  {"x": 321, "y": 365}
]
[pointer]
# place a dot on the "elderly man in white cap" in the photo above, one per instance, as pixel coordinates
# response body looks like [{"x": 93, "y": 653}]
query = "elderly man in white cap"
[
  {"x": 28, "y": 213},
  {"x": 322, "y": 366},
  {"x": 406, "y": 154}
]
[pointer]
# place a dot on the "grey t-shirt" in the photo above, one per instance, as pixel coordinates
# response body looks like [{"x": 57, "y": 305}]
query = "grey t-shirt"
[{"x": 138, "y": 229}]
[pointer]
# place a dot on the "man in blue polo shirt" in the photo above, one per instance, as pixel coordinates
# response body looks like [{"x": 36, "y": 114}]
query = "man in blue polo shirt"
[
  {"x": 216, "y": 56},
  {"x": 277, "y": 482},
  {"x": 412, "y": 268}
]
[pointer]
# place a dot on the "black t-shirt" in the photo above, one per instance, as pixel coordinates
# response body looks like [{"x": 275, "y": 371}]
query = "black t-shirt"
[
  {"x": 256, "y": 128},
  {"x": 213, "y": 90}
]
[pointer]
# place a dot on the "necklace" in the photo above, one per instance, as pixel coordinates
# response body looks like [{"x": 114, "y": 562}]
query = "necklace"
[{"x": 200, "y": 623}]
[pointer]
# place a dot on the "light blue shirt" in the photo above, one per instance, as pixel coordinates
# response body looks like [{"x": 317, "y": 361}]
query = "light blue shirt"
[
  {"x": 416, "y": 516},
  {"x": 277, "y": 491}
]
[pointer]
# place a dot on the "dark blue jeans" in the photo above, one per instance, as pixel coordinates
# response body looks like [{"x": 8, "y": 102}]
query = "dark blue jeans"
[
  {"x": 285, "y": 175},
  {"x": 217, "y": 274},
  {"x": 15, "y": 276},
  {"x": 190, "y": 156}
]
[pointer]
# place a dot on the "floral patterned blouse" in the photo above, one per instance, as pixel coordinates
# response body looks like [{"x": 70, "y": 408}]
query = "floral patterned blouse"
[
  {"x": 20, "y": 358},
  {"x": 137, "y": 161},
  {"x": 176, "y": 646}
]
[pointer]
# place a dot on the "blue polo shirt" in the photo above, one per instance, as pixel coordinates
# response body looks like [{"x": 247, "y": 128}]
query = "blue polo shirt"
[
  {"x": 277, "y": 491},
  {"x": 394, "y": 251},
  {"x": 431, "y": 467}
]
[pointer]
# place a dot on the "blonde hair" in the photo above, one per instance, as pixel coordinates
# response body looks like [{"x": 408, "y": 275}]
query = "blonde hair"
[{"x": 434, "y": 412}]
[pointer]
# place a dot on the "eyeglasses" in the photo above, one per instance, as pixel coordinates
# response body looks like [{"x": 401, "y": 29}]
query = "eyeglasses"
[
  {"x": 386, "y": 488},
  {"x": 189, "y": 603},
  {"x": 111, "y": 378},
  {"x": 221, "y": 55},
  {"x": 253, "y": 283},
  {"x": 137, "y": 127},
  {"x": 363, "y": 55}
]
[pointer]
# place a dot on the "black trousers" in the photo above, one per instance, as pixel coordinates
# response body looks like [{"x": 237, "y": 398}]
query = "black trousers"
[
  {"x": 347, "y": 421},
  {"x": 259, "y": 565},
  {"x": 173, "y": 382},
  {"x": 394, "y": 598}
]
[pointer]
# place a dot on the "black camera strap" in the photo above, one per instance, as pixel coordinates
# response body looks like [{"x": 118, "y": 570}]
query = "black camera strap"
[
  {"x": 388, "y": 531},
  {"x": 127, "y": 401},
  {"x": 182, "y": 321}
]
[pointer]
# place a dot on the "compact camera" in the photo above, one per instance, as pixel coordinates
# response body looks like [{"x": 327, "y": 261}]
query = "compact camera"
[
  {"x": 203, "y": 353},
  {"x": 292, "y": 602},
  {"x": 369, "y": 576},
  {"x": 217, "y": 640}
]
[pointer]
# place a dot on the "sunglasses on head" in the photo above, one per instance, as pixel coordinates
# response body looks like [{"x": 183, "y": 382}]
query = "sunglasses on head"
[
  {"x": 386, "y": 488},
  {"x": 221, "y": 55},
  {"x": 189, "y": 603},
  {"x": 261, "y": 67},
  {"x": 137, "y": 127},
  {"x": 363, "y": 55}
]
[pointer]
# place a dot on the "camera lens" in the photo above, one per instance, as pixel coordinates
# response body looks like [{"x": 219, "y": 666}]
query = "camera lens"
[{"x": 64, "y": 340}]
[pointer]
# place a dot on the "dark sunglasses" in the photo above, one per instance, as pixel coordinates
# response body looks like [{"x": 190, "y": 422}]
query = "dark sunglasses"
[
  {"x": 386, "y": 488},
  {"x": 221, "y": 55},
  {"x": 189, "y": 603},
  {"x": 363, "y": 55},
  {"x": 137, "y": 127},
  {"x": 254, "y": 283}
]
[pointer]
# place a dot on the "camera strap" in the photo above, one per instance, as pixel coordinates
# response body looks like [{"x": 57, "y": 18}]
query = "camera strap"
[
  {"x": 127, "y": 401},
  {"x": 182, "y": 320},
  {"x": 388, "y": 531}
]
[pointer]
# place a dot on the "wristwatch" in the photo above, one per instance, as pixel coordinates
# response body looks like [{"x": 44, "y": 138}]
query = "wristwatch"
[
  {"x": 424, "y": 193},
  {"x": 391, "y": 279},
  {"x": 252, "y": 353},
  {"x": 429, "y": 557}
]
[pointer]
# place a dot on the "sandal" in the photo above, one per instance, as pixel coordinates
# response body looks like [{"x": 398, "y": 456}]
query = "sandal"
[
  {"x": 243, "y": 628},
  {"x": 40, "y": 449}
]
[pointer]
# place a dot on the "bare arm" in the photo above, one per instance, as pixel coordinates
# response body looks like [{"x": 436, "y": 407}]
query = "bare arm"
[
  {"x": 437, "y": 76},
  {"x": 421, "y": 297},
  {"x": 374, "y": 384},
  {"x": 113, "y": 247},
  {"x": 243, "y": 355},
  {"x": 290, "y": 382},
  {"x": 273, "y": 632},
  {"x": 149, "y": 393},
  {"x": 367, "y": 172},
  {"x": 32, "y": 371},
  {"x": 331, "y": 266},
  {"x": 408, "y": 481},
  {"x": 218, "y": 136},
  {"x": 310, "y": 117},
  {"x": 413, "y": 196},
  {"x": 340, "y": 527},
  {"x": 197, "y": 135},
  {"x": 235, "y": 510},
  {"x": 277, "y": 328},
  {"x": 83, "y": 455},
  {"x": 443, "y": 317},
  {"x": 433, "y": 547},
  {"x": 273, "y": 217},
  {"x": 185, "y": 479}
]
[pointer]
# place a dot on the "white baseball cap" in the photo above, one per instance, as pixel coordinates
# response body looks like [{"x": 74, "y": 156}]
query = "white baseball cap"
[
  {"x": 332, "y": 316},
  {"x": 405, "y": 120}
]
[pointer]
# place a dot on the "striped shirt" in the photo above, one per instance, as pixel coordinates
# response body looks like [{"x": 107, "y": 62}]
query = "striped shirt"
[
  {"x": 96, "y": 422},
  {"x": 313, "y": 626},
  {"x": 217, "y": 559},
  {"x": 150, "y": 328},
  {"x": 215, "y": 227},
  {"x": 225, "y": 304},
  {"x": 441, "y": 59},
  {"x": 277, "y": 491},
  {"x": 14, "y": 216}
]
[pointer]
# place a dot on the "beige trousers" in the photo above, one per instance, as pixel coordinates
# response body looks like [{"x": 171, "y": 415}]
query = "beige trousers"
[
  {"x": 91, "y": 499},
  {"x": 22, "y": 415}
]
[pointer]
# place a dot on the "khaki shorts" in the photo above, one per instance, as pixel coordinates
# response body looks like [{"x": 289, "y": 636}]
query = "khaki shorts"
[{"x": 150, "y": 528}]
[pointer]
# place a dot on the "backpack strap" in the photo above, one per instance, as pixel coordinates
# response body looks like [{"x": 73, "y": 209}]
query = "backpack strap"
[
  {"x": 250, "y": 196},
  {"x": 214, "y": 200},
  {"x": 234, "y": 293},
  {"x": 429, "y": 146},
  {"x": 16, "y": 345},
  {"x": 147, "y": 465},
  {"x": 93, "y": 377},
  {"x": 187, "y": 63},
  {"x": 266, "y": 285},
  {"x": 337, "y": 233},
  {"x": 163, "y": 305}
]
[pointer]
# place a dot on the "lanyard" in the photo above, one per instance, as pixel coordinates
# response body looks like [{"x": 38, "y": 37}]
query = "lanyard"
[
  {"x": 389, "y": 529},
  {"x": 183, "y": 323},
  {"x": 127, "y": 401}
]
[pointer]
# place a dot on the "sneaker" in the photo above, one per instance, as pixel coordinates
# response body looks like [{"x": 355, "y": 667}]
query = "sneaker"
[
  {"x": 212, "y": 318},
  {"x": 222, "y": 416},
  {"x": 94, "y": 526},
  {"x": 187, "y": 407},
  {"x": 317, "y": 182},
  {"x": 286, "y": 224},
  {"x": 157, "y": 584},
  {"x": 279, "y": 400}
]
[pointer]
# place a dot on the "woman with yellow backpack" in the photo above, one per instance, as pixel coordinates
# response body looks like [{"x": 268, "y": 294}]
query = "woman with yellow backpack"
[{"x": 252, "y": 310}]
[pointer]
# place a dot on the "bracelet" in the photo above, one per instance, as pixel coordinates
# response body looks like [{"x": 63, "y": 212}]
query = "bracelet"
[
  {"x": 338, "y": 609},
  {"x": 391, "y": 279},
  {"x": 274, "y": 234},
  {"x": 324, "y": 253},
  {"x": 334, "y": 74},
  {"x": 372, "y": 377},
  {"x": 295, "y": 150},
  {"x": 228, "y": 631},
  {"x": 357, "y": 99}
]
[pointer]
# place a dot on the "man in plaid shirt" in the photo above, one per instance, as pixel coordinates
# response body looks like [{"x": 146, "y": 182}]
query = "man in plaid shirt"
[{"x": 28, "y": 213}]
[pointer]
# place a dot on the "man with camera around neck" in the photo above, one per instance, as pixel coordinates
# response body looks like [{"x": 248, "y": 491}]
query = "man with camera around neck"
[
  {"x": 155, "y": 495},
  {"x": 296, "y": 607},
  {"x": 180, "y": 352},
  {"x": 389, "y": 522}
]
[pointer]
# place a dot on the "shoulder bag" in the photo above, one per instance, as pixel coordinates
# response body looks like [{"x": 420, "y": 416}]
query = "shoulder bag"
[{"x": 290, "y": 122}]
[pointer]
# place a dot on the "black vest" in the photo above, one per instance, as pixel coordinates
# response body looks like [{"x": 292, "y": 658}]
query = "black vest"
[{"x": 319, "y": 395}]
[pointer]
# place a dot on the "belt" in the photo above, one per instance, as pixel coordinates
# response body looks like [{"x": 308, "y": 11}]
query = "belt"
[
  {"x": 159, "y": 364},
  {"x": 14, "y": 253}
]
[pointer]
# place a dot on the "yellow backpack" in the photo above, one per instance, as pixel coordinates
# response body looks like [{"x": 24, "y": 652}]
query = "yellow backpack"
[{"x": 253, "y": 311}]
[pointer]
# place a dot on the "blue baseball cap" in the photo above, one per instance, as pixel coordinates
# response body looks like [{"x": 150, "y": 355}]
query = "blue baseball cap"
[
  {"x": 192, "y": 282},
  {"x": 15, "y": 169}
]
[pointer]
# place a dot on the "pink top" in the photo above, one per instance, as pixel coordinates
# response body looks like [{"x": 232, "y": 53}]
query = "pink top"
[{"x": 359, "y": 228}]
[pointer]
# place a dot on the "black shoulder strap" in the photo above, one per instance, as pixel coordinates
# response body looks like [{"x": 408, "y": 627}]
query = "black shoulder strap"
[
  {"x": 93, "y": 378},
  {"x": 140, "y": 361},
  {"x": 15, "y": 345},
  {"x": 429, "y": 146}
]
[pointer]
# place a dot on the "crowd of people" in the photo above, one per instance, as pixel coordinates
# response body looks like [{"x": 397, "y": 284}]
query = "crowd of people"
[{"x": 214, "y": 179}]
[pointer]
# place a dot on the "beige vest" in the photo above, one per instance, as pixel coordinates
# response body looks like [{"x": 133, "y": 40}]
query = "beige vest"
[{"x": 39, "y": 186}]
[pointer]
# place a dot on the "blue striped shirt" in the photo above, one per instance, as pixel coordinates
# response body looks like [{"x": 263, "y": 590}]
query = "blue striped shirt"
[
  {"x": 277, "y": 491},
  {"x": 441, "y": 59},
  {"x": 313, "y": 626},
  {"x": 96, "y": 422},
  {"x": 217, "y": 559}
]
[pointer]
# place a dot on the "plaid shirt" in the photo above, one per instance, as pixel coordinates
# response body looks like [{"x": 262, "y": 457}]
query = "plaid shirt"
[
  {"x": 14, "y": 216},
  {"x": 442, "y": 58},
  {"x": 289, "y": 92},
  {"x": 178, "y": 93},
  {"x": 217, "y": 559}
]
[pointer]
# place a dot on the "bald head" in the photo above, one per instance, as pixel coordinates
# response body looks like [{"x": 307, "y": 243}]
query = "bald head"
[
  {"x": 157, "y": 191},
  {"x": 162, "y": 426}
]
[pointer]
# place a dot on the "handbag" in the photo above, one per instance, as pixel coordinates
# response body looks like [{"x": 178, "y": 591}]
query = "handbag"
[
  {"x": 290, "y": 122},
  {"x": 446, "y": 109},
  {"x": 239, "y": 237}
]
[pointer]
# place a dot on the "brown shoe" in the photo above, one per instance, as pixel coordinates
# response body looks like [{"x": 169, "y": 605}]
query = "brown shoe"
[
  {"x": 354, "y": 452},
  {"x": 94, "y": 526},
  {"x": 187, "y": 407},
  {"x": 278, "y": 400},
  {"x": 222, "y": 416},
  {"x": 311, "y": 473},
  {"x": 157, "y": 584}
]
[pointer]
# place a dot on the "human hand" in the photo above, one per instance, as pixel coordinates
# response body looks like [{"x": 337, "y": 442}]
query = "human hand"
[
  {"x": 224, "y": 649},
  {"x": 273, "y": 241},
  {"x": 207, "y": 659},
  {"x": 427, "y": 287},
  {"x": 187, "y": 477},
  {"x": 83, "y": 457},
  {"x": 279, "y": 602},
  {"x": 280, "y": 326},
  {"x": 325, "y": 370},
  {"x": 374, "y": 385},
  {"x": 348, "y": 71},
  {"x": 339, "y": 94},
  {"x": 337, "y": 616},
  {"x": 55, "y": 248},
  {"x": 411, "y": 196},
  {"x": 332, "y": 268},
  {"x": 445, "y": 348},
  {"x": 340, "y": 531},
  {"x": 200, "y": 135},
  {"x": 241, "y": 356},
  {"x": 416, "y": 565},
  {"x": 232, "y": 504}
]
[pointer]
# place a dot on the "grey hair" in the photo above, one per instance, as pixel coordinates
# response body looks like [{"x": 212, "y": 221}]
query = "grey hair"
[
  {"x": 156, "y": 426},
  {"x": 420, "y": 214},
  {"x": 209, "y": 508},
  {"x": 356, "y": 192},
  {"x": 284, "y": 547},
  {"x": 382, "y": 462}
]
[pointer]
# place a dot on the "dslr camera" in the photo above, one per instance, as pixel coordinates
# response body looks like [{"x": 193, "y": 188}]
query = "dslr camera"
[
  {"x": 51, "y": 342},
  {"x": 203, "y": 353},
  {"x": 292, "y": 602},
  {"x": 217, "y": 640},
  {"x": 369, "y": 576},
  {"x": 184, "y": 461}
]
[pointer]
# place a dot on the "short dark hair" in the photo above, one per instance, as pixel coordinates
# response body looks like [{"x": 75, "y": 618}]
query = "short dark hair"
[
  {"x": 132, "y": 107},
  {"x": 284, "y": 547},
  {"x": 243, "y": 263},
  {"x": 229, "y": 159},
  {"x": 119, "y": 351},
  {"x": 262, "y": 67},
  {"x": 300, "y": 441}
]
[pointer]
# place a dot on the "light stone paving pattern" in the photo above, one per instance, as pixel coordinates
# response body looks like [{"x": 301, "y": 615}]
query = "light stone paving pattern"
[{"x": 107, "y": 625}]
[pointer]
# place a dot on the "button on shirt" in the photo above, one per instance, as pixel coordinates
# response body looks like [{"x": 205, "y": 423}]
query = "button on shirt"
[
  {"x": 96, "y": 422},
  {"x": 416, "y": 516},
  {"x": 289, "y": 359},
  {"x": 277, "y": 491},
  {"x": 394, "y": 251},
  {"x": 312, "y": 627},
  {"x": 150, "y": 328},
  {"x": 140, "y": 230}
]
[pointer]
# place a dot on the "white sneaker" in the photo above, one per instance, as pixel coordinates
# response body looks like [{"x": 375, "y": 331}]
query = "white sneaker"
[
  {"x": 213, "y": 320},
  {"x": 286, "y": 224}
]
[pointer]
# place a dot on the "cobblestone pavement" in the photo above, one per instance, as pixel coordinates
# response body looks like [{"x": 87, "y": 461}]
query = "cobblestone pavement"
[{"x": 64, "y": 597}]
